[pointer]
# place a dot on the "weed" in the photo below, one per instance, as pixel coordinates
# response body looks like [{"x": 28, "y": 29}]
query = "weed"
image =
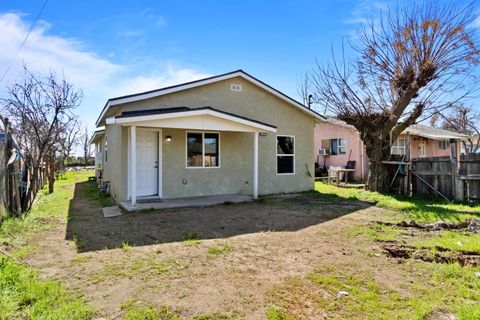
[
  {"x": 191, "y": 239},
  {"x": 135, "y": 310},
  {"x": 220, "y": 249},
  {"x": 126, "y": 246},
  {"x": 275, "y": 313}
]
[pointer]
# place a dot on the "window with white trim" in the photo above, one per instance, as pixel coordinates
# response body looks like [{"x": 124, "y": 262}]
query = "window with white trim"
[
  {"x": 106, "y": 150},
  {"x": 338, "y": 146},
  {"x": 285, "y": 155},
  {"x": 443, "y": 144},
  {"x": 203, "y": 150},
  {"x": 399, "y": 147}
]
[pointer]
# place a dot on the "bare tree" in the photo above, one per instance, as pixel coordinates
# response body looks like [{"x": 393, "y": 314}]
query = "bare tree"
[
  {"x": 463, "y": 119},
  {"x": 69, "y": 138},
  {"x": 406, "y": 66},
  {"x": 87, "y": 147},
  {"x": 40, "y": 108}
]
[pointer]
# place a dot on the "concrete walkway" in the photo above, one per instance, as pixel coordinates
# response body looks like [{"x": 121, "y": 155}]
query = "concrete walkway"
[{"x": 186, "y": 202}]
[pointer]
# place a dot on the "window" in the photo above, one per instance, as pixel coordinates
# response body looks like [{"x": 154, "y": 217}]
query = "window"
[
  {"x": 285, "y": 155},
  {"x": 106, "y": 153},
  {"x": 338, "y": 146},
  {"x": 399, "y": 147},
  {"x": 203, "y": 150},
  {"x": 443, "y": 144}
]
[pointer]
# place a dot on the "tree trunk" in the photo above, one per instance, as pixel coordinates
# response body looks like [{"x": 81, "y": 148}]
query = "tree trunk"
[
  {"x": 51, "y": 174},
  {"x": 377, "y": 148}
]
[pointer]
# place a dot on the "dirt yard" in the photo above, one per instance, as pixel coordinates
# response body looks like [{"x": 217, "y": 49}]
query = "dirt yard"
[{"x": 221, "y": 262}]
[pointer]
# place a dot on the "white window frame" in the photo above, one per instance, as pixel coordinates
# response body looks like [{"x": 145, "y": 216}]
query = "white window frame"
[
  {"x": 446, "y": 142},
  {"x": 203, "y": 150},
  {"x": 396, "y": 146},
  {"x": 105, "y": 150},
  {"x": 287, "y": 155},
  {"x": 338, "y": 146}
]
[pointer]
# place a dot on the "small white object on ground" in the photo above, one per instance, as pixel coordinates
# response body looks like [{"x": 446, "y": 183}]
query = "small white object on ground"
[
  {"x": 342, "y": 294},
  {"x": 109, "y": 212},
  {"x": 477, "y": 274}
]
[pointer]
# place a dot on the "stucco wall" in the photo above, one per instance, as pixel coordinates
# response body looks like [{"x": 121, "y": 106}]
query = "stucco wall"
[
  {"x": 327, "y": 131},
  {"x": 236, "y": 148},
  {"x": 433, "y": 149}
]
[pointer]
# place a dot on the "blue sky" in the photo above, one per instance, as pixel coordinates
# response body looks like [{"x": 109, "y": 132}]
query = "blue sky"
[{"x": 111, "y": 48}]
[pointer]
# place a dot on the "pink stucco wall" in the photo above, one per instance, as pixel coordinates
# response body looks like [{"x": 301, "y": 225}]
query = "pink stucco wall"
[
  {"x": 433, "y": 149},
  {"x": 326, "y": 131}
]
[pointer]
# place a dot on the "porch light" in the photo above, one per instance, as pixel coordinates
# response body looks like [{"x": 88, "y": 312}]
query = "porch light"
[{"x": 168, "y": 138}]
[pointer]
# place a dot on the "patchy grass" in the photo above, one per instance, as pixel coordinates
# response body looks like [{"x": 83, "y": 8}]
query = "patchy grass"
[
  {"x": 91, "y": 192},
  {"x": 376, "y": 232},
  {"x": 215, "y": 316},
  {"x": 135, "y": 310},
  {"x": 222, "y": 248},
  {"x": 422, "y": 209},
  {"x": 145, "y": 267},
  {"x": 275, "y": 313},
  {"x": 453, "y": 240},
  {"x": 48, "y": 208},
  {"x": 448, "y": 286},
  {"x": 23, "y": 296},
  {"x": 191, "y": 239}
]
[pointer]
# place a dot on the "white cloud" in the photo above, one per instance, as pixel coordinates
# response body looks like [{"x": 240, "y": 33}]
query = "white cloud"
[
  {"x": 364, "y": 11},
  {"x": 98, "y": 77}
]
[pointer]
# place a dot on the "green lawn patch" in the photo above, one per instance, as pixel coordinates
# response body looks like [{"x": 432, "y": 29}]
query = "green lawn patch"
[
  {"x": 453, "y": 240},
  {"x": 421, "y": 209},
  {"x": 23, "y": 296}
]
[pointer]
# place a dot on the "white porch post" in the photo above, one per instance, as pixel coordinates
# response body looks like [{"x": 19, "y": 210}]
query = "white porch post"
[
  {"x": 255, "y": 165},
  {"x": 133, "y": 164}
]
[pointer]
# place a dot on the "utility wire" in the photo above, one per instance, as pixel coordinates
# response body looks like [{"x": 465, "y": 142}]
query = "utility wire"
[{"x": 24, "y": 40}]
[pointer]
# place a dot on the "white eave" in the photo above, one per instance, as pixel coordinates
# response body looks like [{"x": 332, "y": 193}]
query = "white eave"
[
  {"x": 97, "y": 134},
  {"x": 202, "y": 119},
  {"x": 194, "y": 84}
]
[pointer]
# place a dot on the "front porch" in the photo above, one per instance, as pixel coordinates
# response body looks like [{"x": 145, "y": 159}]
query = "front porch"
[
  {"x": 183, "y": 157},
  {"x": 204, "y": 201}
]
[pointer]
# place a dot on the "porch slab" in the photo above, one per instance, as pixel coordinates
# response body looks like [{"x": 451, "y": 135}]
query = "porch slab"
[{"x": 204, "y": 201}]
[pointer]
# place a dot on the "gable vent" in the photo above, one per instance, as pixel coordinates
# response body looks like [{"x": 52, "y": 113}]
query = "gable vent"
[{"x": 236, "y": 87}]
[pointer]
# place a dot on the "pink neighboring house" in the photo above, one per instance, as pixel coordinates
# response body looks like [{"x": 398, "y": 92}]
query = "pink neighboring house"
[{"x": 337, "y": 142}]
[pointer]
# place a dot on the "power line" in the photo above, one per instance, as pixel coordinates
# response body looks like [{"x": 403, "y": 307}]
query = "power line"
[{"x": 24, "y": 40}]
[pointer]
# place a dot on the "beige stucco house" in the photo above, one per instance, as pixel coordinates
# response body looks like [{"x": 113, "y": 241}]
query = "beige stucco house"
[{"x": 227, "y": 134}]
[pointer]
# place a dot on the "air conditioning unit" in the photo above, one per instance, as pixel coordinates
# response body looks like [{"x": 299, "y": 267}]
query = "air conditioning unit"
[{"x": 324, "y": 152}]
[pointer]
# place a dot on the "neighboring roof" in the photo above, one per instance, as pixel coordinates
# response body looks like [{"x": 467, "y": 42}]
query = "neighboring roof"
[
  {"x": 433, "y": 133},
  {"x": 416, "y": 130},
  {"x": 338, "y": 122},
  {"x": 100, "y": 131},
  {"x": 166, "y": 113},
  {"x": 238, "y": 73}
]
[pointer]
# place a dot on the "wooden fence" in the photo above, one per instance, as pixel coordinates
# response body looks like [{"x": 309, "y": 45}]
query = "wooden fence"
[{"x": 447, "y": 178}]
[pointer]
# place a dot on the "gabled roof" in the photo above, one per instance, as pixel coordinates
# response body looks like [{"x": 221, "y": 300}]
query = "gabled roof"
[{"x": 188, "y": 85}]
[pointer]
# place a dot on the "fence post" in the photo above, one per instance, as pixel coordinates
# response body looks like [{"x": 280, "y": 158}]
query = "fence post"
[{"x": 457, "y": 184}]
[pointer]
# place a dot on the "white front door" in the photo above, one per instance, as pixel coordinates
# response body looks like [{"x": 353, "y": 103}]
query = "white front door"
[{"x": 147, "y": 163}]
